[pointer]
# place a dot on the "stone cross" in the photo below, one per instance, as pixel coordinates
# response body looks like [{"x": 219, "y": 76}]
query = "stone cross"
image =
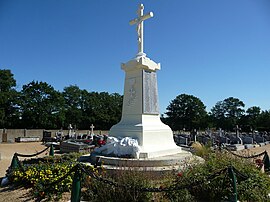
[
  {"x": 139, "y": 22},
  {"x": 92, "y": 129}
]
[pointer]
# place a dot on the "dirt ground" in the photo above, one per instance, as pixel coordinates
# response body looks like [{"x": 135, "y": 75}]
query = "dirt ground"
[
  {"x": 7, "y": 151},
  {"x": 22, "y": 195}
]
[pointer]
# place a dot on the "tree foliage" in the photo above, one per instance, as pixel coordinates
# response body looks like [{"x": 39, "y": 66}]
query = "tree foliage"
[
  {"x": 83, "y": 108},
  {"x": 8, "y": 98},
  {"x": 227, "y": 113},
  {"x": 39, "y": 105},
  {"x": 186, "y": 111}
]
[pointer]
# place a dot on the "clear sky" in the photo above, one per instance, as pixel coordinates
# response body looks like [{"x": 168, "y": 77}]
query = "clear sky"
[{"x": 212, "y": 49}]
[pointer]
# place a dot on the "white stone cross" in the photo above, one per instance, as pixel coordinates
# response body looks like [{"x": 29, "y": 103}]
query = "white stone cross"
[
  {"x": 92, "y": 129},
  {"x": 139, "y": 22}
]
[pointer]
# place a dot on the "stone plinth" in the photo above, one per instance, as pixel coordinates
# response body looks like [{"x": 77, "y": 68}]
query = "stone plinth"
[
  {"x": 140, "y": 114},
  {"x": 177, "y": 161}
]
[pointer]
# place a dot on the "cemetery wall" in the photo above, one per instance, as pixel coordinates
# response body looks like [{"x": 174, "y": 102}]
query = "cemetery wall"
[
  {"x": 34, "y": 133},
  {"x": 9, "y": 135}
]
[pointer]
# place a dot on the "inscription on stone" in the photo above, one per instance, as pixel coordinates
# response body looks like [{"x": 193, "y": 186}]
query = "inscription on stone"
[
  {"x": 150, "y": 93},
  {"x": 131, "y": 92}
]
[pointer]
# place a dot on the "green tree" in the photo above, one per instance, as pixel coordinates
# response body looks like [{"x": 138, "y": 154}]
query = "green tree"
[
  {"x": 227, "y": 113},
  {"x": 252, "y": 115},
  {"x": 186, "y": 111},
  {"x": 103, "y": 109},
  {"x": 73, "y": 105},
  {"x": 8, "y": 100},
  {"x": 264, "y": 121},
  {"x": 42, "y": 106},
  {"x": 84, "y": 108}
]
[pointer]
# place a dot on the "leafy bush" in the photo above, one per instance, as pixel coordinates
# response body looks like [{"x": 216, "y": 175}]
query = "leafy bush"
[
  {"x": 95, "y": 190},
  {"x": 200, "y": 187}
]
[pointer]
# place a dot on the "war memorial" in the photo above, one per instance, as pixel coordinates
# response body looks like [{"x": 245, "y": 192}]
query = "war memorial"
[
  {"x": 140, "y": 135},
  {"x": 142, "y": 142}
]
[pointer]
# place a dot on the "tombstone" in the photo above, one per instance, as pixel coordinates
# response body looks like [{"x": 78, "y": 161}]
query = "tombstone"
[
  {"x": 92, "y": 129},
  {"x": 206, "y": 140},
  {"x": 193, "y": 136},
  {"x": 247, "y": 140},
  {"x": 47, "y": 136},
  {"x": 235, "y": 147},
  {"x": 266, "y": 136},
  {"x": 70, "y": 132},
  {"x": 73, "y": 146},
  {"x": 238, "y": 138},
  {"x": 140, "y": 113},
  {"x": 224, "y": 140},
  {"x": 258, "y": 139},
  {"x": 182, "y": 140},
  {"x": 84, "y": 136}
]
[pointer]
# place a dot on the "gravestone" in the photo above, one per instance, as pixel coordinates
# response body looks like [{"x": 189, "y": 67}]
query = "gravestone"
[
  {"x": 193, "y": 135},
  {"x": 247, "y": 140},
  {"x": 92, "y": 129},
  {"x": 182, "y": 140},
  {"x": 140, "y": 113},
  {"x": 70, "y": 131},
  {"x": 206, "y": 140},
  {"x": 74, "y": 146},
  {"x": 236, "y": 147},
  {"x": 259, "y": 139},
  {"x": 238, "y": 138},
  {"x": 224, "y": 140}
]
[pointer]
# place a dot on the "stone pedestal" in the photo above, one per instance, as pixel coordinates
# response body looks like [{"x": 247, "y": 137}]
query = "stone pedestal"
[{"x": 140, "y": 114}]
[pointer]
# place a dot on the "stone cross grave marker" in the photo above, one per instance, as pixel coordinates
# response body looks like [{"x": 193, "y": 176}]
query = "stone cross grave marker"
[{"x": 92, "y": 129}]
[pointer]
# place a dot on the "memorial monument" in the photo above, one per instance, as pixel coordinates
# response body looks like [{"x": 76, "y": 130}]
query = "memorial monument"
[{"x": 140, "y": 114}]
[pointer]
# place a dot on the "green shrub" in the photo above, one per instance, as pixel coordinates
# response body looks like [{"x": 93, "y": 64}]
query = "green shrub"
[
  {"x": 95, "y": 190},
  {"x": 201, "y": 188}
]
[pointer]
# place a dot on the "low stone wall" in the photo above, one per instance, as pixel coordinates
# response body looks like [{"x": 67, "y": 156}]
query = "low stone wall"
[{"x": 9, "y": 135}]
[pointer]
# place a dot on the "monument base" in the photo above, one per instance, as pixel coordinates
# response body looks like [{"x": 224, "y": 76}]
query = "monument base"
[
  {"x": 169, "y": 163},
  {"x": 158, "y": 152},
  {"x": 154, "y": 137}
]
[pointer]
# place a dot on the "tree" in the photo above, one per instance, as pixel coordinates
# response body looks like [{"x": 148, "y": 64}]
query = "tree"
[
  {"x": 41, "y": 106},
  {"x": 84, "y": 108},
  {"x": 186, "y": 111},
  {"x": 8, "y": 99},
  {"x": 264, "y": 121},
  {"x": 102, "y": 109},
  {"x": 252, "y": 115},
  {"x": 227, "y": 113},
  {"x": 73, "y": 109}
]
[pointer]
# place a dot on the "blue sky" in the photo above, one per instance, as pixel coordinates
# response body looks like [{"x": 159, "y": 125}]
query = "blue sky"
[{"x": 212, "y": 49}]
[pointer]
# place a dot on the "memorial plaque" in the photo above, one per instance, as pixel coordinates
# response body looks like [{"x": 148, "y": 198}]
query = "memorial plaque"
[{"x": 150, "y": 94}]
